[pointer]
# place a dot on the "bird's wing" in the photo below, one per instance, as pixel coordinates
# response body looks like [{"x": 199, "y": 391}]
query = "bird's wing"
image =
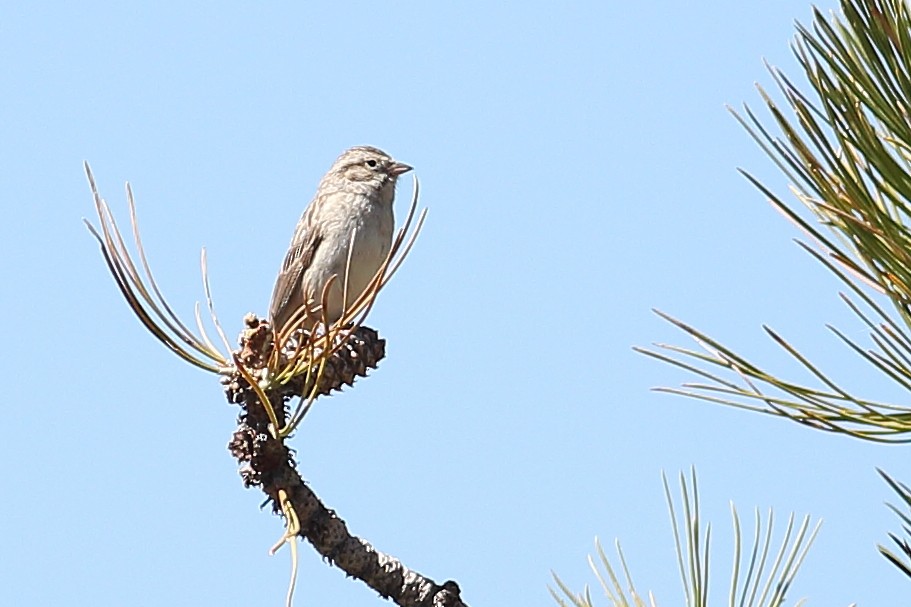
[{"x": 297, "y": 260}]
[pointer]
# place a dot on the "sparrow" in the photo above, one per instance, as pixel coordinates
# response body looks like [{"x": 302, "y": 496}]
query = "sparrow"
[{"x": 352, "y": 206}]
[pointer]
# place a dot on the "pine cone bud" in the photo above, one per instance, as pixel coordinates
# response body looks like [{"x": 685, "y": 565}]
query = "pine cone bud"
[{"x": 356, "y": 352}]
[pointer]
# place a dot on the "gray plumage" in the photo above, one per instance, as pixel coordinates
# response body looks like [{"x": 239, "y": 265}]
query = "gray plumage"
[{"x": 354, "y": 198}]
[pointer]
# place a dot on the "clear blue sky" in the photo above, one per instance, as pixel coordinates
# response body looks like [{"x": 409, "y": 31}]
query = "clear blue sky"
[{"x": 579, "y": 168}]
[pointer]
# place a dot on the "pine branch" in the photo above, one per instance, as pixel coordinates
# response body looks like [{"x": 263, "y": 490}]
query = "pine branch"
[
  {"x": 262, "y": 377},
  {"x": 847, "y": 152},
  {"x": 268, "y": 463}
]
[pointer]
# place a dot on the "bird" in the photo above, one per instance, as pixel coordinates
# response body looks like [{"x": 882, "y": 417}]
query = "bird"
[{"x": 353, "y": 204}]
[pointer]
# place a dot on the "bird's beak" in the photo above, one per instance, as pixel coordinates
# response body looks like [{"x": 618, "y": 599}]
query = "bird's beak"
[{"x": 399, "y": 168}]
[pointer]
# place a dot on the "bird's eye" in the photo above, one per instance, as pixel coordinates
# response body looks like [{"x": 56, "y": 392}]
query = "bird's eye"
[{"x": 371, "y": 163}]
